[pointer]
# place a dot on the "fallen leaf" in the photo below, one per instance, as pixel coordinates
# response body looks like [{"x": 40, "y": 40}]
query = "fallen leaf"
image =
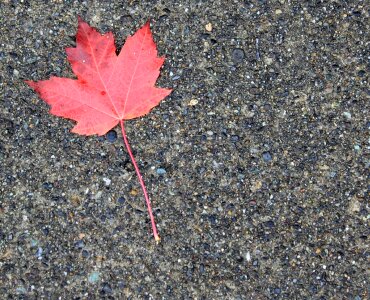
[{"x": 109, "y": 88}]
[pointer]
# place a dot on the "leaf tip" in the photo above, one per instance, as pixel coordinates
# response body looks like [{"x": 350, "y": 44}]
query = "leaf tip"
[
  {"x": 147, "y": 24},
  {"x": 80, "y": 20},
  {"x": 31, "y": 83}
]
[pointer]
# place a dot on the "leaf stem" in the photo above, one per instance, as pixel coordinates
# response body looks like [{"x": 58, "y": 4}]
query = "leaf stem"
[{"x": 154, "y": 228}]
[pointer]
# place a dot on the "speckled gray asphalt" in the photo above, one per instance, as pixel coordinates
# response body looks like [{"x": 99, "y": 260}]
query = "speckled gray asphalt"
[{"x": 257, "y": 163}]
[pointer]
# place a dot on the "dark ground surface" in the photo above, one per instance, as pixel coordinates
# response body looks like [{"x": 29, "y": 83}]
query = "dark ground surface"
[{"x": 263, "y": 142}]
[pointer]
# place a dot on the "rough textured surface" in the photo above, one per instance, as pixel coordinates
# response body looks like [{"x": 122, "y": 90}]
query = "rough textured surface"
[{"x": 256, "y": 164}]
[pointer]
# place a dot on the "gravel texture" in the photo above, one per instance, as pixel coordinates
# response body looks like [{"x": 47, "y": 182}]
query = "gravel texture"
[{"x": 257, "y": 163}]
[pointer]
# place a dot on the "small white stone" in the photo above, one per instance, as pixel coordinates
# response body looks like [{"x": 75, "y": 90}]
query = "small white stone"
[
  {"x": 193, "y": 102},
  {"x": 268, "y": 61},
  {"x": 98, "y": 195},
  {"x": 107, "y": 181},
  {"x": 209, "y": 27},
  {"x": 347, "y": 115}
]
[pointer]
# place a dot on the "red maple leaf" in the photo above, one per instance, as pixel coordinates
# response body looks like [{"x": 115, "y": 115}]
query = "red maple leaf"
[{"x": 110, "y": 88}]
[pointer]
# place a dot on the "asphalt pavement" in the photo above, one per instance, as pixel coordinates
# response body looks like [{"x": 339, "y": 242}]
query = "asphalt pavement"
[{"x": 257, "y": 164}]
